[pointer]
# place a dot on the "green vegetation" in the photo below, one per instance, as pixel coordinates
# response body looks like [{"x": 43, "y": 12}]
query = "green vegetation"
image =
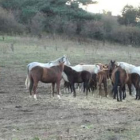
[{"x": 38, "y": 17}]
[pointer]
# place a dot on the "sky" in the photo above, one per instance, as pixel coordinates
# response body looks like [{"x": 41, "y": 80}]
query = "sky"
[{"x": 111, "y": 5}]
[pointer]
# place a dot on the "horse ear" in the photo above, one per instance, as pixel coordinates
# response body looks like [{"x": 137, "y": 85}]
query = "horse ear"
[
  {"x": 64, "y": 55},
  {"x": 111, "y": 61}
]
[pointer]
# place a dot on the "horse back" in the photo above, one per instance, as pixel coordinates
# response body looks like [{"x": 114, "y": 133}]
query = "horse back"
[{"x": 123, "y": 75}]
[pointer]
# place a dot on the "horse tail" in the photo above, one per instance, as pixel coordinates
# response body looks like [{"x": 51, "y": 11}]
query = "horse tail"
[
  {"x": 27, "y": 81},
  {"x": 116, "y": 82},
  {"x": 30, "y": 85}
]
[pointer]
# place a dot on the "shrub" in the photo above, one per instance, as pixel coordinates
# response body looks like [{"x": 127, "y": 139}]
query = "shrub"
[
  {"x": 126, "y": 35},
  {"x": 8, "y": 24},
  {"x": 93, "y": 29}
]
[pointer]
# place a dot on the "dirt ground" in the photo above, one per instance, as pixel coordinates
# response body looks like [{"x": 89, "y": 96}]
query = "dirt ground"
[{"x": 23, "y": 118}]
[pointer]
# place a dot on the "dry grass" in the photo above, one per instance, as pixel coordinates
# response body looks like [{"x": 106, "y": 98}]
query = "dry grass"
[{"x": 91, "y": 119}]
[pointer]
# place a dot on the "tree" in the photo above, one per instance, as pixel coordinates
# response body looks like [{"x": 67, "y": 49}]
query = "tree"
[{"x": 129, "y": 15}]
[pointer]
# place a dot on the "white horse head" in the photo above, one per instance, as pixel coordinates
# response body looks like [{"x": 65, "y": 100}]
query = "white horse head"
[{"x": 60, "y": 60}]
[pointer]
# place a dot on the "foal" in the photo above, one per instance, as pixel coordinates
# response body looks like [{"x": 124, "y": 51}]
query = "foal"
[{"x": 46, "y": 75}]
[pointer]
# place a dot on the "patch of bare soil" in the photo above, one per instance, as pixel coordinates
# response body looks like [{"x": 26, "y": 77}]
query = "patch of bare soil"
[{"x": 48, "y": 118}]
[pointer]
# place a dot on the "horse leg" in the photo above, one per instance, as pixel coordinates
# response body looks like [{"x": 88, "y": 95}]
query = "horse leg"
[
  {"x": 31, "y": 86},
  {"x": 124, "y": 92},
  {"x": 136, "y": 94},
  {"x": 139, "y": 93},
  {"x": 58, "y": 89},
  {"x": 129, "y": 88},
  {"x": 87, "y": 88},
  {"x": 73, "y": 88},
  {"x": 34, "y": 89},
  {"x": 120, "y": 93},
  {"x": 100, "y": 89},
  {"x": 105, "y": 87},
  {"x": 52, "y": 93}
]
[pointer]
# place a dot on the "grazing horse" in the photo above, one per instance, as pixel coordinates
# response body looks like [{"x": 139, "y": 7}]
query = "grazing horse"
[
  {"x": 72, "y": 76},
  {"x": 46, "y": 65},
  {"x": 46, "y": 75},
  {"x": 119, "y": 78}
]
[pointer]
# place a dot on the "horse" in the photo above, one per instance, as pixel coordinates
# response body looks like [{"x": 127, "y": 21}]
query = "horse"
[
  {"x": 90, "y": 68},
  {"x": 72, "y": 76},
  {"x": 129, "y": 68},
  {"x": 102, "y": 77},
  {"x": 119, "y": 78},
  {"x": 46, "y": 65},
  {"x": 46, "y": 75},
  {"x": 134, "y": 78}
]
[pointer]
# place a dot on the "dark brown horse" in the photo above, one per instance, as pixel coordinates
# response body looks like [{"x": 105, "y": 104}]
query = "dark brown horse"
[
  {"x": 72, "y": 76},
  {"x": 134, "y": 79},
  {"x": 46, "y": 75},
  {"x": 119, "y": 78}
]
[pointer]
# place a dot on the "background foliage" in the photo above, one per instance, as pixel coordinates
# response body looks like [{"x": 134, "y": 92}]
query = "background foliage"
[{"x": 37, "y": 17}]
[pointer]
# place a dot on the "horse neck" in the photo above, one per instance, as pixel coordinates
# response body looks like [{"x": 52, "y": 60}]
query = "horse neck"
[{"x": 61, "y": 66}]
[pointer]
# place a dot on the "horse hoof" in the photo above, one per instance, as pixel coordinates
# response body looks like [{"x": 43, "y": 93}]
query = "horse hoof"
[
  {"x": 35, "y": 97},
  {"x": 58, "y": 96}
]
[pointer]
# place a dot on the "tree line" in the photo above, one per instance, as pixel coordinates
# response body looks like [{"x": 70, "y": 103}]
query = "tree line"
[{"x": 37, "y": 17}]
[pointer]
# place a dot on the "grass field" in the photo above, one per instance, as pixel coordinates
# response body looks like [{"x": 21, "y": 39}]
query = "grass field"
[{"x": 22, "y": 118}]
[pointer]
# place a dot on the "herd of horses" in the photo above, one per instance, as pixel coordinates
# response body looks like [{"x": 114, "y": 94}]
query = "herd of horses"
[{"x": 120, "y": 74}]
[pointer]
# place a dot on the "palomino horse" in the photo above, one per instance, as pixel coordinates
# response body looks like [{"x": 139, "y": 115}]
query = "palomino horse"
[
  {"x": 72, "y": 76},
  {"x": 119, "y": 78},
  {"x": 46, "y": 75},
  {"x": 46, "y": 65}
]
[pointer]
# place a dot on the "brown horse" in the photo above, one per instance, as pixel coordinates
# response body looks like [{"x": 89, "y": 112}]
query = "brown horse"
[
  {"x": 134, "y": 79},
  {"x": 102, "y": 77},
  {"x": 119, "y": 78},
  {"x": 46, "y": 75},
  {"x": 112, "y": 66}
]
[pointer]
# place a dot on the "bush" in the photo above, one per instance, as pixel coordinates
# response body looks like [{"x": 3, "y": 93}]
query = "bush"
[
  {"x": 126, "y": 35},
  {"x": 93, "y": 29},
  {"x": 8, "y": 24},
  {"x": 36, "y": 26}
]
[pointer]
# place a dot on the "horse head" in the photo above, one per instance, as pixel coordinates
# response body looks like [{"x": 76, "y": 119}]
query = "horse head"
[
  {"x": 97, "y": 68},
  {"x": 65, "y": 60},
  {"x": 111, "y": 66}
]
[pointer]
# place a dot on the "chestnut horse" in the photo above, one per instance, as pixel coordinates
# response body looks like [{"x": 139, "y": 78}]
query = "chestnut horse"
[
  {"x": 46, "y": 75},
  {"x": 102, "y": 77},
  {"x": 46, "y": 65}
]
